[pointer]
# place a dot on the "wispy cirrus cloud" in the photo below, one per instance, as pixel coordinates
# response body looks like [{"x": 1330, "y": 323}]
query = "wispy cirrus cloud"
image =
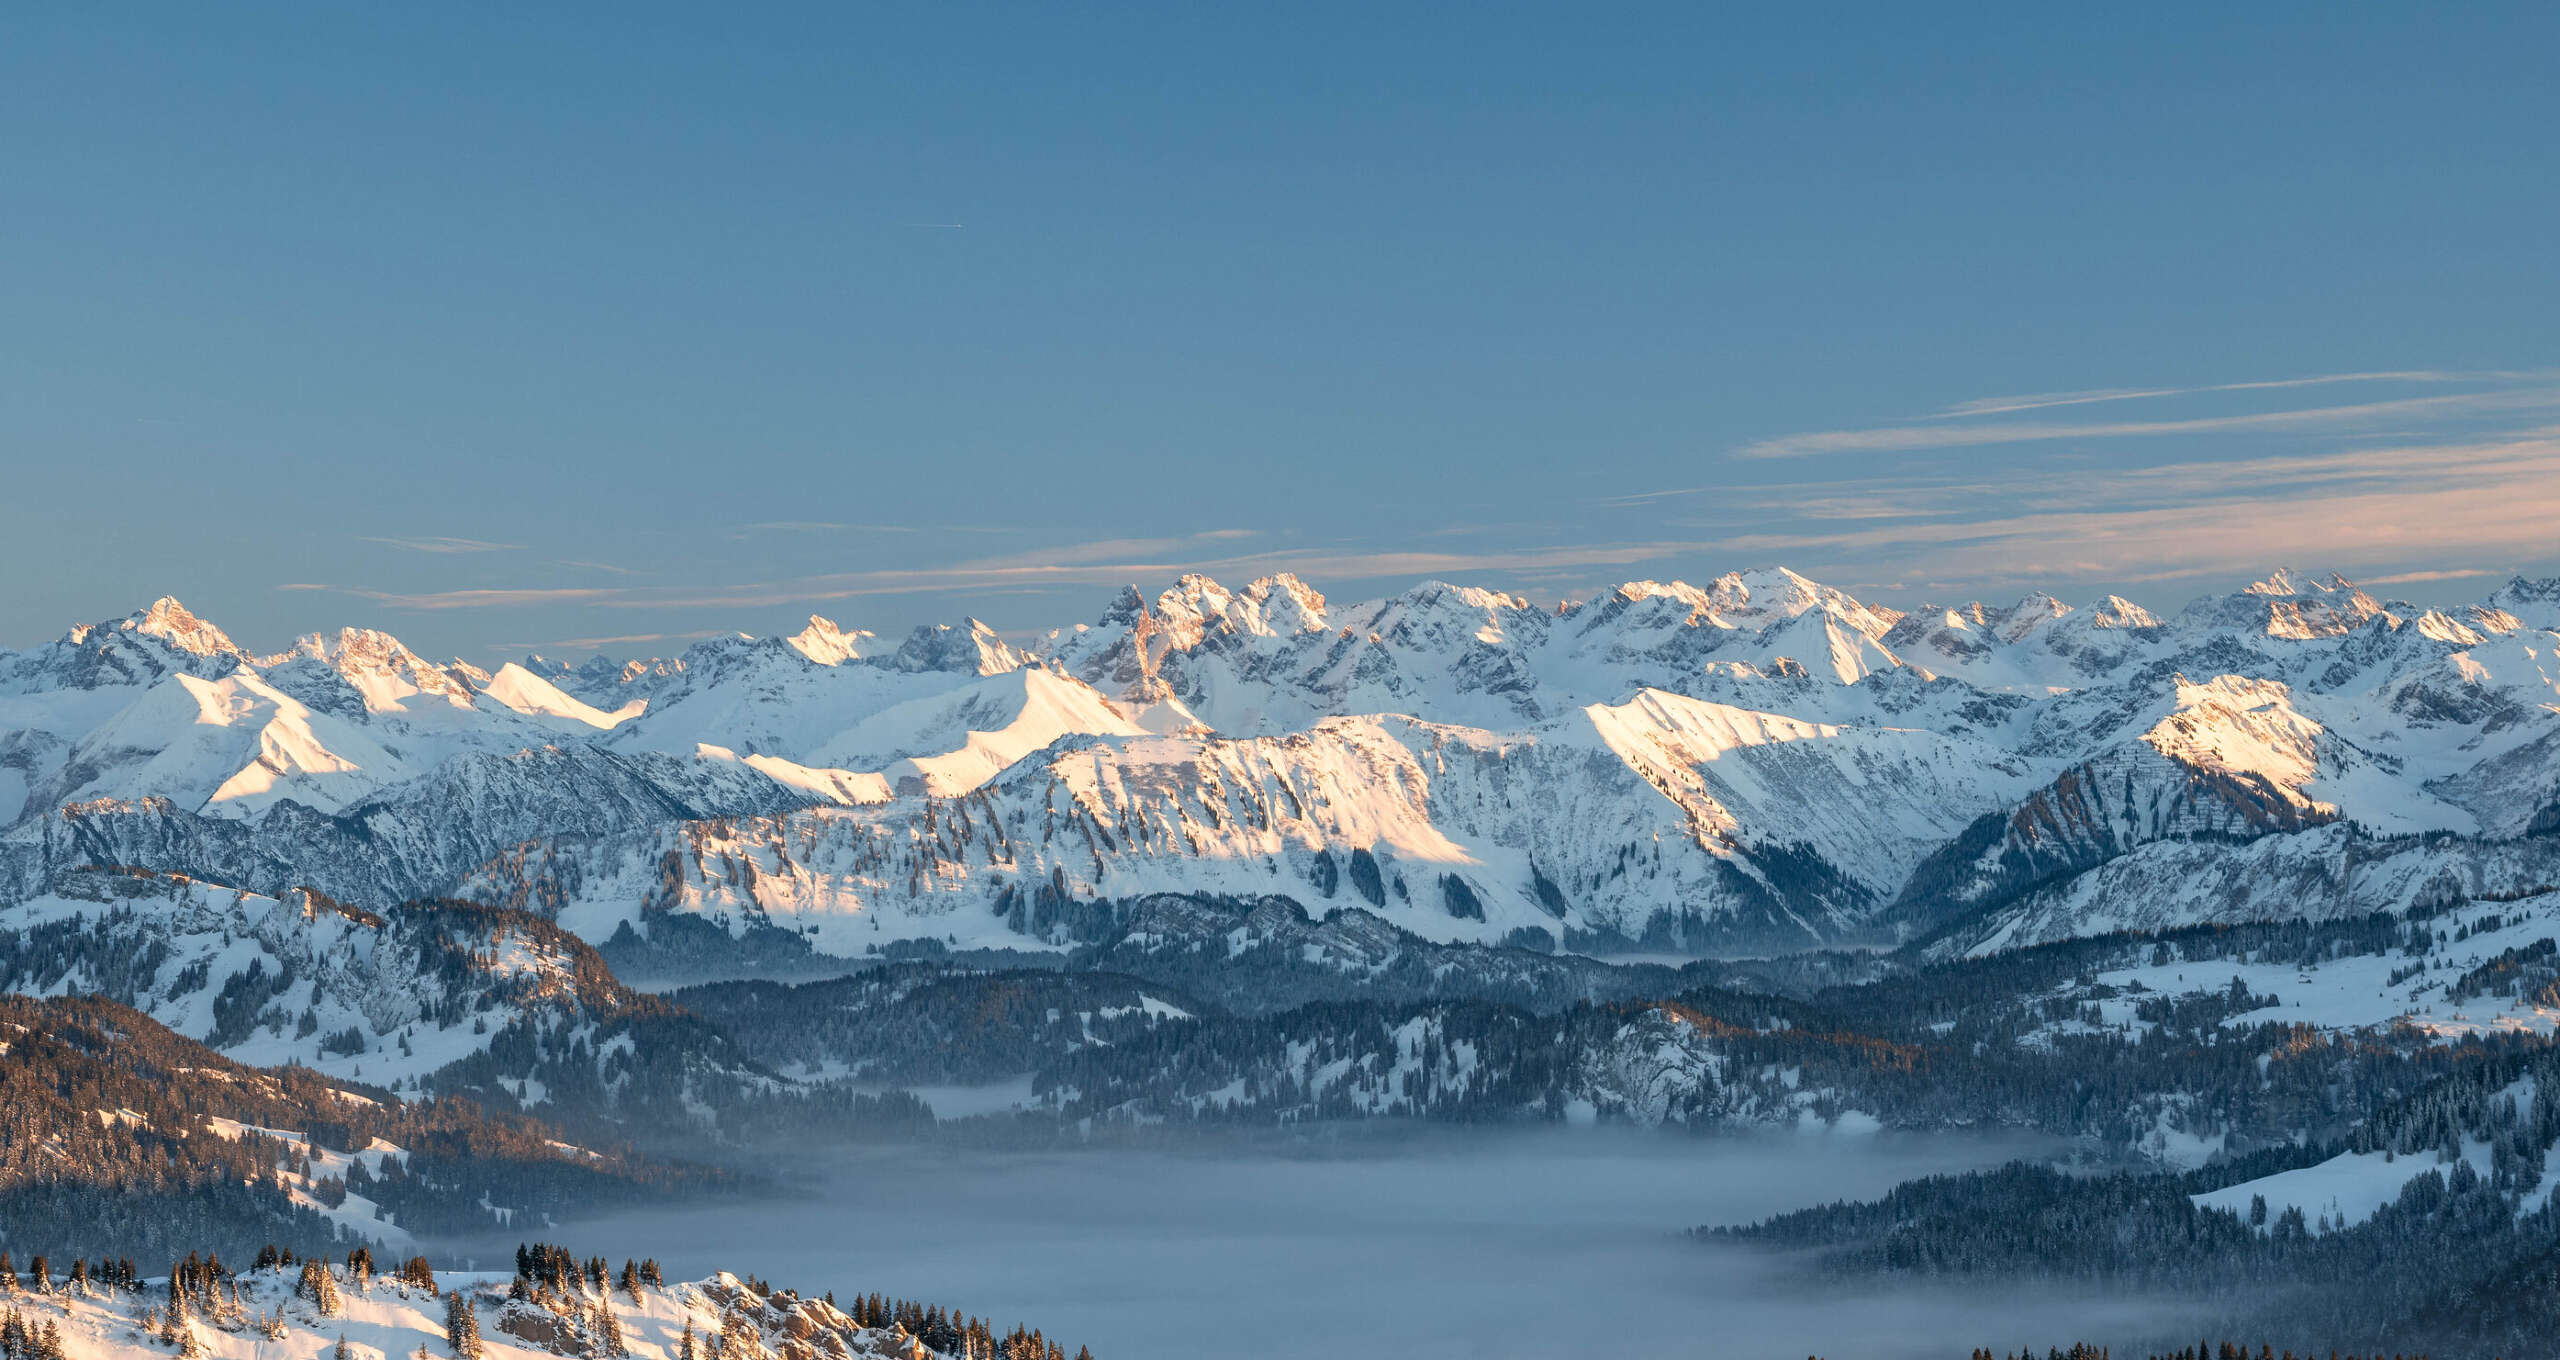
[
  {"x": 1993, "y": 406},
  {"x": 2396, "y": 507},
  {"x": 1108, "y": 562},
  {"x": 1959, "y": 491},
  {"x": 2470, "y": 477},
  {"x": 1076, "y": 566},
  {"x": 465, "y": 599},
  {"x": 840, "y": 526},
  {"x": 588, "y": 644},
  {"x": 441, "y": 545},
  {"x": 2405, "y": 578},
  {"x": 2367, "y": 415}
]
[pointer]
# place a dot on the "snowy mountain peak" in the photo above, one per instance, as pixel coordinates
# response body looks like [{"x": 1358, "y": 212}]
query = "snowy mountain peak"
[
  {"x": 172, "y": 623},
  {"x": 2029, "y": 614},
  {"x": 1444, "y": 594},
  {"x": 829, "y": 645},
  {"x": 379, "y": 666},
  {"x": 2534, "y": 604},
  {"x": 1648, "y": 589},
  {"x": 1274, "y": 606},
  {"x": 2522, "y": 588},
  {"x": 1765, "y": 592},
  {"x": 1289, "y": 605},
  {"x": 1437, "y": 616},
  {"x": 2115, "y": 611},
  {"x": 1671, "y": 621},
  {"x": 1762, "y": 589},
  {"x": 1197, "y": 603},
  {"x": 2290, "y": 605},
  {"x": 1125, "y": 609},
  {"x": 971, "y": 648},
  {"x": 2286, "y": 581}
]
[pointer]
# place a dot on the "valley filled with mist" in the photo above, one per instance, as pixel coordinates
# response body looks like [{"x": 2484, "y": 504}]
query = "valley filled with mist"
[{"x": 1442, "y": 1243}]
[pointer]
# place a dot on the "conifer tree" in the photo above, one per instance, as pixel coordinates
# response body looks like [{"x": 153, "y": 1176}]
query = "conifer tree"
[
  {"x": 461, "y": 1325},
  {"x": 607, "y": 1330},
  {"x": 319, "y": 1286}
]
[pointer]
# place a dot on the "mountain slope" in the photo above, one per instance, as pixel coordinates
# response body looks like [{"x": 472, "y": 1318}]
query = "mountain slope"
[{"x": 123, "y": 1134}]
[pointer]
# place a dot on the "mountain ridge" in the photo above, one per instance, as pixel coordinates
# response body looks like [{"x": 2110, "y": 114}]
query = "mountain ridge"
[{"x": 1760, "y": 762}]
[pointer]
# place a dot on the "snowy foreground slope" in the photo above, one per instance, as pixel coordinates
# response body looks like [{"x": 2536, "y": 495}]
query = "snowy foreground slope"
[
  {"x": 281, "y": 1312},
  {"x": 1759, "y": 763}
]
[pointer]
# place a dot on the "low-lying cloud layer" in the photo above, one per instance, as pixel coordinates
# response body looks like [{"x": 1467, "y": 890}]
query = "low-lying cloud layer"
[{"x": 1531, "y": 1244}]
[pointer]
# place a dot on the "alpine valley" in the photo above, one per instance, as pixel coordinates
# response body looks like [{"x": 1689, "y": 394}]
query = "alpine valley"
[{"x": 2248, "y": 911}]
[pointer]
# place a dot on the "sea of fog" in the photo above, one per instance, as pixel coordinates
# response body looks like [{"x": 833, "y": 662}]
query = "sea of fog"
[{"x": 1510, "y": 1244}]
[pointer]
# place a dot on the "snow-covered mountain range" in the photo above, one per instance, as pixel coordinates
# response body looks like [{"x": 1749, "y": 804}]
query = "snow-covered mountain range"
[{"x": 1757, "y": 763}]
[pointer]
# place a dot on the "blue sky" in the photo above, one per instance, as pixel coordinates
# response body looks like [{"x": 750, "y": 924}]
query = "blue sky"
[{"x": 503, "y": 329}]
